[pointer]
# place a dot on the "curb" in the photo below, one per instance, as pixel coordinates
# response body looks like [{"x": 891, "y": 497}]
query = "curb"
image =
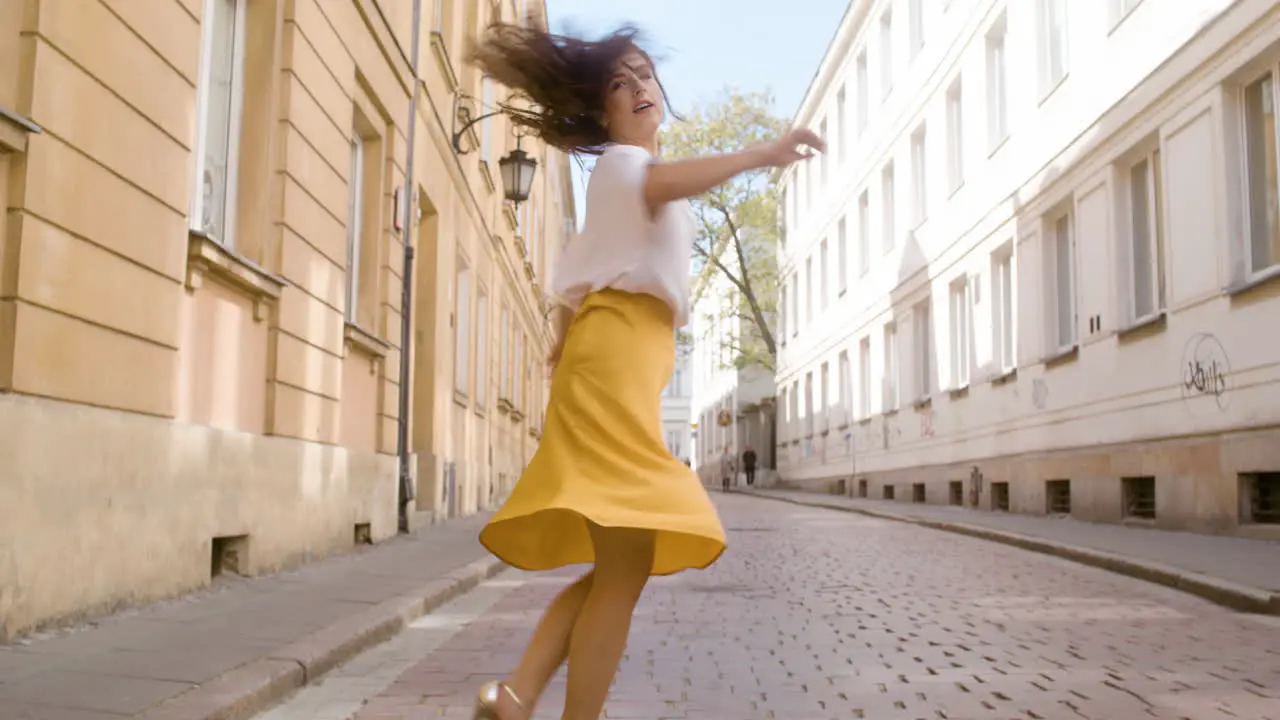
[
  {"x": 1222, "y": 592},
  {"x": 251, "y": 688}
]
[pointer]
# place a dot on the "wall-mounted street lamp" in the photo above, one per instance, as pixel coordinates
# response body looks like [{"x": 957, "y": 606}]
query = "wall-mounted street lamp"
[{"x": 516, "y": 169}]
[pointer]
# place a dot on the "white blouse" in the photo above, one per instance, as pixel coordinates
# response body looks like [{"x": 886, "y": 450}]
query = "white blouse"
[{"x": 621, "y": 246}]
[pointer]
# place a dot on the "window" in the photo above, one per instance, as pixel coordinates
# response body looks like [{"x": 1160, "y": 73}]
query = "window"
[
  {"x": 924, "y": 348},
  {"x": 846, "y": 386},
  {"x": 1002, "y": 292},
  {"x": 355, "y": 211},
  {"x": 482, "y": 350},
  {"x": 824, "y": 396},
  {"x": 961, "y": 332},
  {"x": 822, "y": 157},
  {"x": 864, "y": 234},
  {"x": 864, "y": 94},
  {"x": 808, "y": 290},
  {"x": 795, "y": 408},
  {"x": 886, "y": 53},
  {"x": 1121, "y": 9},
  {"x": 795, "y": 305},
  {"x": 519, "y": 362},
  {"x": 919, "y": 175},
  {"x": 1146, "y": 237},
  {"x": 842, "y": 254},
  {"x": 1053, "y": 43},
  {"x": 916, "y": 19},
  {"x": 462, "y": 330},
  {"x": 887, "y": 209},
  {"x": 782, "y": 314},
  {"x": 1261, "y": 171},
  {"x": 784, "y": 429},
  {"x": 486, "y": 132},
  {"x": 955, "y": 136},
  {"x": 842, "y": 127},
  {"x": 504, "y": 355},
  {"x": 784, "y": 216},
  {"x": 997, "y": 86},
  {"x": 218, "y": 120},
  {"x": 808, "y": 404},
  {"x": 824, "y": 270},
  {"x": 890, "y": 399},
  {"x": 864, "y": 378},
  {"x": 1063, "y": 283}
]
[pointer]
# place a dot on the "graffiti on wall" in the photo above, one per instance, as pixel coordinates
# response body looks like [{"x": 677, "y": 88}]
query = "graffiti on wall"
[
  {"x": 926, "y": 424},
  {"x": 1205, "y": 370},
  {"x": 1039, "y": 393}
]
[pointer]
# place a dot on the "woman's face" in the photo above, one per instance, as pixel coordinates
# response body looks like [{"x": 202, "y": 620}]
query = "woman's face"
[{"x": 633, "y": 102}]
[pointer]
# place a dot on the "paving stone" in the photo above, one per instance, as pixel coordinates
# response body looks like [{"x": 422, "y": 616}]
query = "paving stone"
[{"x": 807, "y": 617}]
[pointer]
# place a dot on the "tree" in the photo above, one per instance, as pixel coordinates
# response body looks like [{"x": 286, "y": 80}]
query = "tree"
[{"x": 737, "y": 222}]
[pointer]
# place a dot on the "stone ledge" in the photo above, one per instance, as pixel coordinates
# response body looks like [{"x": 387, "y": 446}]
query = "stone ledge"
[
  {"x": 249, "y": 689},
  {"x": 1223, "y": 592}
]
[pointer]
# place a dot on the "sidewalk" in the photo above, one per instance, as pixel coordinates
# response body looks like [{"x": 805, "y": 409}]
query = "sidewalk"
[
  {"x": 242, "y": 645},
  {"x": 1237, "y": 572}
]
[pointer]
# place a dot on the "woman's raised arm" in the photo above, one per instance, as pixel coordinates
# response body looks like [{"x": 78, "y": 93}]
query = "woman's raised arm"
[{"x": 667, "y": 182}]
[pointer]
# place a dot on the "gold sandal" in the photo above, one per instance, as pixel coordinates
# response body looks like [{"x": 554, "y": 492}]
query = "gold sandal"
[{"x": 487, "y": 700}]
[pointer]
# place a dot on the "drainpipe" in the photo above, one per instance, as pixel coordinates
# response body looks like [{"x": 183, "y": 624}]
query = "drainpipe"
[{"x": 404, "y": 496}]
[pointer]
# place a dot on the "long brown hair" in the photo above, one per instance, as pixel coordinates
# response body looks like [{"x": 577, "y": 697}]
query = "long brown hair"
[{"x": 564, "y": 77}]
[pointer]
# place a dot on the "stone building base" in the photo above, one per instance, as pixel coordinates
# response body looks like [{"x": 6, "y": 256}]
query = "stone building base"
[
  {"x": 101, "y": 509},
  {"x": 1226, "y": 484}
]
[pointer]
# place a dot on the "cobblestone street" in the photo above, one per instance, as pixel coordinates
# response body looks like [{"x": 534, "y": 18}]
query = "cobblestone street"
[{"x": 816, "y": 614}]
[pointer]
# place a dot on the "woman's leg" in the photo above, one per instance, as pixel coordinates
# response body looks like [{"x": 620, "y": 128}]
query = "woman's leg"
[
  {"x": 547, "y": 650},
  {"x": 624, "y": 558}
]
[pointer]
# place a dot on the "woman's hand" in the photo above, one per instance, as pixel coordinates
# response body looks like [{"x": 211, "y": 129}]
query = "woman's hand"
[{"x": 793, "y": 146}]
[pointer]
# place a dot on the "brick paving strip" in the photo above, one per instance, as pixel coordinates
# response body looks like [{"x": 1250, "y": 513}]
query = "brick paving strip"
[
  {"x": 227, "y": 653},
  {"x": 1221, "y": 569}
]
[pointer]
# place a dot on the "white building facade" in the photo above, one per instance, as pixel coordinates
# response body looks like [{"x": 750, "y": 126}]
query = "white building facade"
[
  {"x": 733, "y": 407},
  {"x": 1038, "y": 269},
  {"x": 677, "y": 415}
]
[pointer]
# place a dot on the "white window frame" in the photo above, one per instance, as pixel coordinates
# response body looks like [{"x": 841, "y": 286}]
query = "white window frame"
[
  {"x": 845, "y": 383},
  {"x": 886, "y": 53},
  {"x": 824, "y": 271},
  {"x": 839, "y": 137},
  {"x": 1250, "y": 195},
  {"x": 864, "y": 233},
  {"x": 864, "y": 377},
  {"x": 462, "y": 335},
  {"x": 782, "y": 314},
  {"x": 1004, "y": 311},
  {"x": 824, "y": 395},
  {"x": 891, "y": 371},
  {"x": 1059, "y": 250},
  {"x": 823, "y": 128},
  {"x": 230, "y": 184},
  {"x": 504, "y": 348},
  {"x": 922, "y": 325},
  {"x": 997, "y": 84},
  {"x": 1121, "y": 9},
  {"x": 919, "y": 176},
  {"x": 955, "y": 135},
  {"x": 863, "y": 92},
  {"x": 916, "y": 20},
  {"x": 1055, "y": 45},
  {"x": 960, "y": 300},
  {"x": 808, "y": 290},
  {"x": 1151, "y": 204},
  {"x": 842, "y": 253},
  {"x": 355, "y": 226},
  {"x": 808, "y": 404},
  {"x": 482, "y": 349},
  {"x": 888, "y": 208}
]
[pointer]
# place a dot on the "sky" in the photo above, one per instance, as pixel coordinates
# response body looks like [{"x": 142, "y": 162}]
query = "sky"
[{"x": 703, "y": 47}]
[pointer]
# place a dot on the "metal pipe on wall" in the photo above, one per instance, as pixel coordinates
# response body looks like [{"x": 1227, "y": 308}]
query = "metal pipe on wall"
[{"x": 405, "y": 494}]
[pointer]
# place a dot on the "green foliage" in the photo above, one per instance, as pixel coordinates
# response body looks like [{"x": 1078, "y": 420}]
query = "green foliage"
[{"x": 737, "y": 222}]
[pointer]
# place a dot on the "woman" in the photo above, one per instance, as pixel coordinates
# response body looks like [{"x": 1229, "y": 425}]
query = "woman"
[{"x": 602, "y": 487}]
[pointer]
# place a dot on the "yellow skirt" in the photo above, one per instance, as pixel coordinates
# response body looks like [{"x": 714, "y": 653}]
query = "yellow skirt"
[{"x": 602, "y": 459}]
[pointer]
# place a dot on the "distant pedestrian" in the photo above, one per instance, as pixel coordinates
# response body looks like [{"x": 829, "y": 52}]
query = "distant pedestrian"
[
  {"x": 726, "y": 469},
  {"x": 749, "y": 465},
  {"x": 602, "y": 487}
]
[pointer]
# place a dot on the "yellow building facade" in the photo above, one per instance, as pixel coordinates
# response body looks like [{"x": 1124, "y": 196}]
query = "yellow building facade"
[{"x": 201, "y": 289}]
